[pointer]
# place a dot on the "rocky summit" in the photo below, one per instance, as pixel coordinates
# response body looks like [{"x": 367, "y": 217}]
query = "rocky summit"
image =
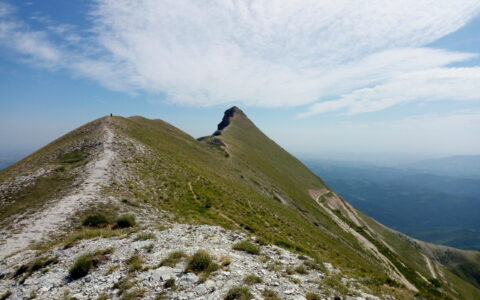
[{"x": 133, "y": 208}]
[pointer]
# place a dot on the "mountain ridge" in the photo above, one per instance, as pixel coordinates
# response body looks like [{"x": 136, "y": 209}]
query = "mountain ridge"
[{"x": 246, "y": 183}]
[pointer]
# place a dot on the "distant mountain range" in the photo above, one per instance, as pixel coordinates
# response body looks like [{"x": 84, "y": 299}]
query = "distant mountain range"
[
  {"x": 434, "y": 208},
  {"x": 465, "y": 166}
]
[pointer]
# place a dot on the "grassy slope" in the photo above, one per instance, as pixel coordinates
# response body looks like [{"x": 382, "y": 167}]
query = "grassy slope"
[
  {"x": 200, "y": 184},
  {"x": 62, "y": 155},
  {"x": 234, "y": 192},
  {"x": 238, "y": 190}
]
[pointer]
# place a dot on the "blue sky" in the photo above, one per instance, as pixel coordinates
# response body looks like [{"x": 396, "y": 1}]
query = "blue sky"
[{"x": 321, "y": 78}]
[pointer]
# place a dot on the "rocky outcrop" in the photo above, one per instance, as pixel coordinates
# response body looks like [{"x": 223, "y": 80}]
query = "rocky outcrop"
[{"x": 228, "y": 115}]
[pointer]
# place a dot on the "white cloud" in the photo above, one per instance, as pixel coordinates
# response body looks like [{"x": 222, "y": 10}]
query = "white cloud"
[
  {"x": 261, "y": 52},
  {"x": 421, "y": 86},
  {"x": 34, "y": 44},
  {"x": 272, "y": 53}
]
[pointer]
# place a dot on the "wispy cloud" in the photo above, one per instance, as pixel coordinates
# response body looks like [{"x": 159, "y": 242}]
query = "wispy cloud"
[
  {"x": 269, "y": 52},
  {"x": 458, "y": 84}
]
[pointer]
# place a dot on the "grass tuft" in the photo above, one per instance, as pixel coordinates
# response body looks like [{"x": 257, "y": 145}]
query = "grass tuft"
[
  {"x": 270, "y": 295},
  {"x": 134, "y": 263},
  {"x": 201, "y": 261},
  {"x": 238, "y": 293},
  {"x": 301, "y": 270},
  {"x": 37, "y": 265},
  {"x": 97, "y": 221},
  {"x": 125, "y": 221},
  {"x": 247, "y": 247},
  {"x": 124, "y": 284},
  {"x": 84, "y": 263},
  {"x": 169, "y": 283},
  {"x": 252, "y": 279},
  {"x": 313, "y": 296},
  {"x": 145, "y": 237},
  {"x": 135, "y": 294},
  {"x": 173, "y": 259}
]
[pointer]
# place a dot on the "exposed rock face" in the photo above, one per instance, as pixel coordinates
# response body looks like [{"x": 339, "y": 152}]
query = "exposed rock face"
[
  {"x": 229, "y": 114},
  {"x": 274, "y": 266}
]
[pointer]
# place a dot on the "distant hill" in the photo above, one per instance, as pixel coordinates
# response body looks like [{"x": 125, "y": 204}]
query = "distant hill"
[{"x": 466, "y": 166}]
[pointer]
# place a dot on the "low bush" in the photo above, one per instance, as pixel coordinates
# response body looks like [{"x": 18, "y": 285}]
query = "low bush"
[
  {"x": 313, "y": 296},
  {"x": 225, "y": 261},
  {"x": 145, "y": 237},
  {"x": 201, "y": 261},
  {"x": 247, "y": 247},
  {"x": 124, "y": 284},
  {"x": 96, "y": 221},
  {"x": 125, "y": 221},
  {"x": 270, "y": 295},
  {"x": 36, "y": 265},
  {"x": 135, "y": 294},
  {"x": 252, "y": 279},
  {"x": 81, "y": 267},
  {"x": 301, "y": 270},
  {"x": 169, "y": 283},
  {"x": 134, "y": 263},
  {"x": 238, "y": 293},
  {"x": 173, "y": 259},
  {"x": 86, "y": 262}
]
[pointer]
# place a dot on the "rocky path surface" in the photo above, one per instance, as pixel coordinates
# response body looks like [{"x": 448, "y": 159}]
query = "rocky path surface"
[
  {"x": 37, "y": 227},
  {"x": 114, "y": 278}
]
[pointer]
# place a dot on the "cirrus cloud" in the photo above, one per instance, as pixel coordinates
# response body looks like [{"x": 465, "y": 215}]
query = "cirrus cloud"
[{"x": 365, "y": 54}]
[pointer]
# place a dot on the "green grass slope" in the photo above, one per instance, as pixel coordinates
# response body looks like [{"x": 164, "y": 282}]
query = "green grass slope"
[
  {"x": 58, "y": 160},
  {"x": 239, "y": 178}
]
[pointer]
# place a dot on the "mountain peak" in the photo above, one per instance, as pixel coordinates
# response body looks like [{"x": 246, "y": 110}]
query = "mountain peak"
[{"x": 228, "y": 115}]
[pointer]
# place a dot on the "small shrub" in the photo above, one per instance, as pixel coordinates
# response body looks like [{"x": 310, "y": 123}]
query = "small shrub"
[
  {"x": 201, "y": 261},
  {"x": 134, "y": 263},
  {"x": 314, "y": 265},
  {"x": 301, "y": 270},
  {"x": 72, "y": 157},
  {"x": 289, "y": 271},
  {"x": 81, "y": 267},
  {"x": 125, "y": 221},
  {"x": 247, "y": 247},
  {"x": 124, "y": 284},
  {"x": 169, "y": 283},
  {"x": 111, "y": 269},
  {"x": 86, "y": 262},
  {"x": 313, "y": 296},
  {"x": 96, "y": 221},
  {"x": 252, "y": 279},
  {"x": 270, "y": 295},
  {"x": 39, "y": 264},
  {"x": 225, "y": 261},
  {"x": 435, "y": 282},
  {"x": 238, "y": 293},
  {"x": 135, "y": 294},
  {"x": 42, "y": 263},
  {"x": 173, "y": 259},
  {"x": 148, "y": 248},
  {"x": 145, "y": 237}
]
